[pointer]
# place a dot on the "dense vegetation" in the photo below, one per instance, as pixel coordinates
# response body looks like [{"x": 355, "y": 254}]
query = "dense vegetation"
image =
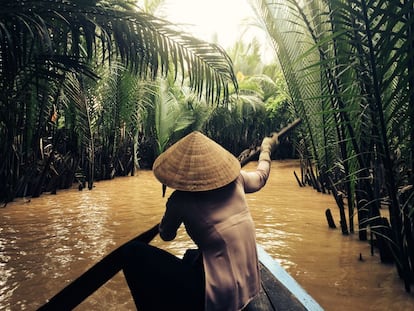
[
  {"x": 93, "y": 89},
  {"x": 349, "y": 70}
]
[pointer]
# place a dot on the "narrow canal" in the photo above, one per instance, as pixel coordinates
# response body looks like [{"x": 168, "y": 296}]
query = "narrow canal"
[{"x": 48, "y": 241}]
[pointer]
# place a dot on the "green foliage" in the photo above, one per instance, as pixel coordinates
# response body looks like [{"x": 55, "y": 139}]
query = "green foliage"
[
  {"x": 250, "y": 114},
  {"x": 171, "y": 116},
  {"x": 49, "y": 55},
  {"x": 246, "y": 57},
  {"x": 348, "y": 68}
]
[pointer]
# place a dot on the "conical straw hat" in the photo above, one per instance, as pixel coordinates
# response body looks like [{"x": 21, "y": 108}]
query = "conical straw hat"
[{"x": 196, "y": 163}]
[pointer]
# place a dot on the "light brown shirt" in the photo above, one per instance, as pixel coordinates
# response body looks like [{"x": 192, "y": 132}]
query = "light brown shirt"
[{"x": 219, "y": 222}]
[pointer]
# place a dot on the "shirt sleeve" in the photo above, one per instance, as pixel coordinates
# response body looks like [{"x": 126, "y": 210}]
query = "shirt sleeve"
[
  {"x": 255, "y": 180},
  {"x": 171, "y": 220}
]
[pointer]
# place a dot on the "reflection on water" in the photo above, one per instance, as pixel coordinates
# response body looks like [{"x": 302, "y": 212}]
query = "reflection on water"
[
  {"x": 49, "y": 241},
  {"x": 6, "y": 289}
]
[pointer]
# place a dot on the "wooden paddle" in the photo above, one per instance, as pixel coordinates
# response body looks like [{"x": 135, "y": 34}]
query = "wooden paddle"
[
  {"x": 247, "y": 155},
  {"x": 85, "y": 285}
]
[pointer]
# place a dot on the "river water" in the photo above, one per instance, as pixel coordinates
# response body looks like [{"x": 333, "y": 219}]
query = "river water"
[{"x": 47, "y": 242}]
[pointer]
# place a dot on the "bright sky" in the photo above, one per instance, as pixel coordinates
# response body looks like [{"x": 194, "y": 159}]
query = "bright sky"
[{"x": 209, "y": 18}]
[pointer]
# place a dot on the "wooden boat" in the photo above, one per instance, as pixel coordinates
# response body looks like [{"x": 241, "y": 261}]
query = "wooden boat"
[{"x": 280, "y": 291}]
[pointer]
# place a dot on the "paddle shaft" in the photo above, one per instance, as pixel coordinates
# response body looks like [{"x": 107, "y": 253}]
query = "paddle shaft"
[{"x": 96, "y": 276}]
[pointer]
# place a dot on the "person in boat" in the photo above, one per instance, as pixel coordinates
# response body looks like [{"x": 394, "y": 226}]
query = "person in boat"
[{"x": 209, "y": 199}]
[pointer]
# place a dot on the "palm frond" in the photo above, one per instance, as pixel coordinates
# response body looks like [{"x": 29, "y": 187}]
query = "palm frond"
[
  {"x": 171, "y": 116},
  {"x": 148, "y": 45}
]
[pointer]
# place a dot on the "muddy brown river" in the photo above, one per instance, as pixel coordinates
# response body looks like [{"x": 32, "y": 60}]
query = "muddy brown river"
[{"x": 48, "y": 241}]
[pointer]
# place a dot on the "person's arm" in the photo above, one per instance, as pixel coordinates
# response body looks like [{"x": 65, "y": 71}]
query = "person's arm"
[
  {"x": 171, "y": 220},
  {"x": 254, "y": 181},
  {"x": 267, "y": 147}
]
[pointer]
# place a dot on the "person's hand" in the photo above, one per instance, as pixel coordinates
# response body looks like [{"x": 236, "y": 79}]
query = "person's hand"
[
  {"x": 269, "y": 143},
  {"x": 275, "y": 140}
]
